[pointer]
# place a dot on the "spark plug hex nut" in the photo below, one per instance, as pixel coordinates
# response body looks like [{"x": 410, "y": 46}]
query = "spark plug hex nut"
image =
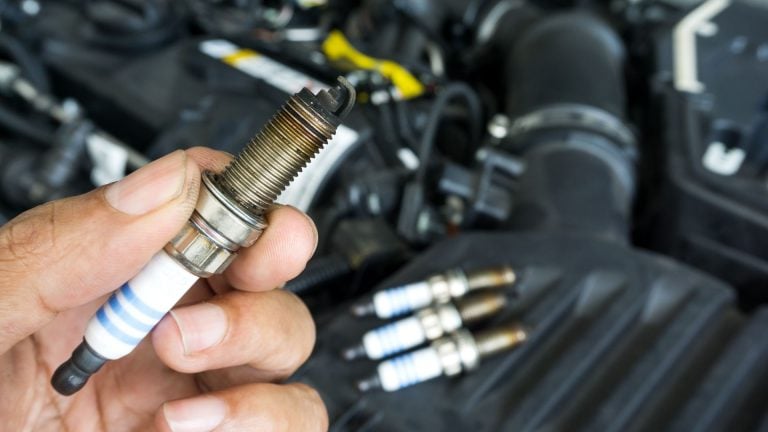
[{"x": 217, "y": 229}]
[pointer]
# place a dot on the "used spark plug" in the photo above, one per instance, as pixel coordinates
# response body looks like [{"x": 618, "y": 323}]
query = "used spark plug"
[
  {"x": 425, "y": 325},
  {"x": 229, "y": 215},
  {"x": 437, "y": 289},
  {"x": 449, "y": 356}
]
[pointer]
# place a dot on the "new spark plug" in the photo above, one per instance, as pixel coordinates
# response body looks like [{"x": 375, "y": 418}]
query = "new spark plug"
[
  {"x": 448, "y": 356},
  {"x": 437, "y": 289},
  {"x": 425, "y": 325},
  {"x": 229, "y": 214}
]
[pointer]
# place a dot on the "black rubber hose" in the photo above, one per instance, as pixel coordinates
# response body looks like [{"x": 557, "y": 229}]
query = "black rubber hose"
[
  {"x": 579, "y": 177},
  {"x": 449, "y": 93},
  {"x": 571, "y": 58},
  {"x": 318, "y": 271}
]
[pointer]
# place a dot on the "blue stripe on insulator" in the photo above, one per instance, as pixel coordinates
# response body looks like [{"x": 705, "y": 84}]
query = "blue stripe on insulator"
[
  {"x": 125, "y": 315},
  {"x": 138, "y": 304},
  {"x": 115, "y": 330}
]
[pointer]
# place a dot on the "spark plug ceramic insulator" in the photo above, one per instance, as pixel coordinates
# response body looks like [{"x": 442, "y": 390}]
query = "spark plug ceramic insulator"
[
  {"x": 425, "y": 325},
  {"x": 448, "y": 356},
  {"x": 229, "y": 215},
  {"x": 440, "y": 288}
]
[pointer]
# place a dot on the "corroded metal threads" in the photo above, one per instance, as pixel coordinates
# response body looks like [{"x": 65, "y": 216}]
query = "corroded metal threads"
[
  {"x": 258, "y": 175},
  {"x": 229, "y": 213}
]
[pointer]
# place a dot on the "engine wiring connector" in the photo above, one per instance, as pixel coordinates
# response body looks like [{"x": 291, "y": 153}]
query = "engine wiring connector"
[
  {"x": 229, "y": 215},
  {"x": 427, "y": 324},
  {"x": 448, "y": 356},
  {"x": 437, "y": 289}
]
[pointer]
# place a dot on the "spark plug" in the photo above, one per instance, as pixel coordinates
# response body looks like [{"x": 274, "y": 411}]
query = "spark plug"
[
  {"x": 449, "y": 356},
  {"x": 229, "y": 214},
  {"x": 437, "y": 289},
  {"x": 425, "y": 325}
]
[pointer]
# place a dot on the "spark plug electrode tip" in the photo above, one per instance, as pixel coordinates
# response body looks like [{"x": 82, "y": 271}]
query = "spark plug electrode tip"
[{"x": 338, "y": 100}]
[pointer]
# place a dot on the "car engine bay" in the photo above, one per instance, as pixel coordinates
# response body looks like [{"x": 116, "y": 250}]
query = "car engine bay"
[{"x": 596, "y": 170}]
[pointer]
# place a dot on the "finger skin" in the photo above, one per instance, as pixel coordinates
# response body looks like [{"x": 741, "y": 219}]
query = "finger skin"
[
  {"x": 279, "y": 255},
  {"x": 262, "y": 407},
  {"x": 209, "y": 159},
  {"x": 273, "y": 332},
  {"x": 69, "y": 252}
]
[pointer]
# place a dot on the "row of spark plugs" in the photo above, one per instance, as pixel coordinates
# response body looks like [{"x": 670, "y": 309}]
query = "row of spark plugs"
[{"x": 441, "y": 310}]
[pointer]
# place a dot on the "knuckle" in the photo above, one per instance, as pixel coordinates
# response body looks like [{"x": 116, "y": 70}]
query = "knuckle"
[
  {"x": 182, "y": 365},
  {"x": 304, "y": 333},
  {"x": 317, "y": 414},
  {"x": 275, "y": 423},
  {"x": 285, "y": 363},
  {"x": 29, "y": 238}
]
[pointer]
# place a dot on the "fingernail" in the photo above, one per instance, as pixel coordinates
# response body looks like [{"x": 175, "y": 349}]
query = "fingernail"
[
  {"x": 202, "y": 326},
  {"x": 200, "y": 414},
  {"x": 316, "y": 235},
  {"x": 151, "y": 186}
]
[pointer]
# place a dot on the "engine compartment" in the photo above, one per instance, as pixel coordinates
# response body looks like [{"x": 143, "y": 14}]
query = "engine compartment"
[{"x": 613, "y": 154}]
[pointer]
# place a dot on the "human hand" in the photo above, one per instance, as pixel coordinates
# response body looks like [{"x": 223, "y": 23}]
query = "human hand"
[{"x": 211, "y": 364}]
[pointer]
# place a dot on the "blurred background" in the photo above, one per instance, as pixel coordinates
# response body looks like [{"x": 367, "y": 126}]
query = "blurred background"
[{"x": 541, "y": 214}]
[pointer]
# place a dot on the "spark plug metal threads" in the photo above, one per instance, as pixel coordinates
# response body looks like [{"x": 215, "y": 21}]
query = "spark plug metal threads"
[
  {"x": 283, "y": 148},
  {"x": 427, "y": 324},
  {"x": 229, "y": 214},
  {"x": 230, "y": 210},
  {"x": 448, "y": 356},
  {"x": 439, "y": 289}
]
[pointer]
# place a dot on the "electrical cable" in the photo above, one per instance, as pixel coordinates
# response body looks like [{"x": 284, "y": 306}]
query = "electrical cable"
[
  {"x": 444, "y": 97},
  {"x": 404, "y": 124},
  {"x": 318, "y": 271}
]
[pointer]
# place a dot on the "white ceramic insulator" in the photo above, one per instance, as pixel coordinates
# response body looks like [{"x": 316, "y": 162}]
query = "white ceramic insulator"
[
  {"x": 402, "y": 300},
  {"x": 409, "y": 369},
  {"x": 133, "y": 310},
  {"x": 394, "y": 338}
]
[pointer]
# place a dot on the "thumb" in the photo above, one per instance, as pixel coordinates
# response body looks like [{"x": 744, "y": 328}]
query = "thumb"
[{"x": 69, "y": 252}]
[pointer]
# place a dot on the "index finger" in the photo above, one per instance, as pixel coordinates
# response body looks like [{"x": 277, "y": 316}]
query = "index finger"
[
  {"x": 283, "y": 249},
  {"x": 279, "y": 255}
]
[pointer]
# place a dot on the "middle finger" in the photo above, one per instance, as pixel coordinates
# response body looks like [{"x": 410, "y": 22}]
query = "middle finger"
[{"x": 272, "y": 332}]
